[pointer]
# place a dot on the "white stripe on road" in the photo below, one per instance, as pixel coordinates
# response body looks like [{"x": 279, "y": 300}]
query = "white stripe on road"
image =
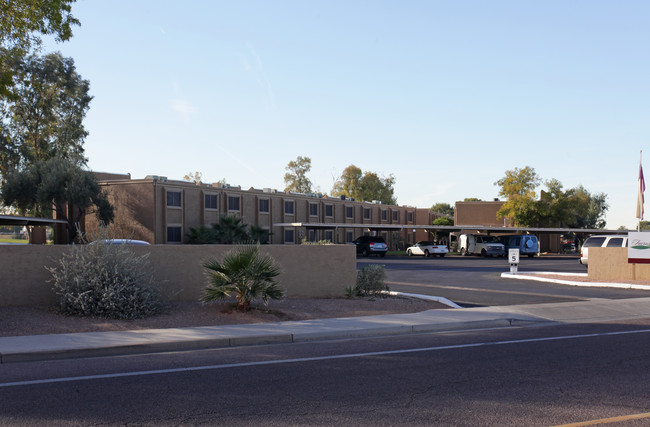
[{"x": 313, "y": 359}]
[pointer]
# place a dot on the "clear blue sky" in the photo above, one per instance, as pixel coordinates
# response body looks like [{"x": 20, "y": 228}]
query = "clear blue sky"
[{"x": 444, "y": 95}]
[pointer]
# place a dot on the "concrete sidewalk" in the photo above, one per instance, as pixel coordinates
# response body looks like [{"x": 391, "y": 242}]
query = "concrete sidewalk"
[{"x": 45, "y": 347}]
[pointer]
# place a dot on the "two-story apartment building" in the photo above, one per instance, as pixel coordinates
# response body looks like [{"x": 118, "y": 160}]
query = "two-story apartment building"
[{"x": 162, "y": 211}]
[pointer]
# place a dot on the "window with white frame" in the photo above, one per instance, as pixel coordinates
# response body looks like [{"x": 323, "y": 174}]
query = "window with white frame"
[
  {"x": 174, "y": 199},
  {"x": 384, "y": 215},
  {"x": 312, "y": 235},
  {"x": 395, "y": 215},
  {"x": 289, "y": 235},
  {"x": 329, "y": 211},
  {"x": 366, "y": 213},
  {"x": 349, "y": 211},
  {"x": 313, "y": 209},
  {"x": 349, "y": 236},
  {"x": 329, "y": 236}
]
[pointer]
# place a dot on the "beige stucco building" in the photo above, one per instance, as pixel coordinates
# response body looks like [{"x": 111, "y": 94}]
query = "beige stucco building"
[{"x": 162, "y": 211}]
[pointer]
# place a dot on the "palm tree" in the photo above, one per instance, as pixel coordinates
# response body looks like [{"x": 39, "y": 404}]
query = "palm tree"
[
  {"x": 243, "y": 272},
  {"x": 259, "y": 234},
  {"x": 230, "y": 229}
]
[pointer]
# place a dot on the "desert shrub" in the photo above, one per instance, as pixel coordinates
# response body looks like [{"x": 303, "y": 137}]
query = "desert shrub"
[
  {"x": 244, "y": 272},
  {"x": 371, "y": 280},
  {"x": 104, "y": 280}
]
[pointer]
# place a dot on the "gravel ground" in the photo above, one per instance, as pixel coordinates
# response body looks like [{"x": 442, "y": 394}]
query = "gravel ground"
[{"x": 30, "y": 320}]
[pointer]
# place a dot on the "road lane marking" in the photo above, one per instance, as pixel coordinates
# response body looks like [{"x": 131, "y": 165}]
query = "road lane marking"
[
  {"x": 492, "y": 291},
  {"x": 315, "y": 358},
  {"x": 612, "y": 420}
]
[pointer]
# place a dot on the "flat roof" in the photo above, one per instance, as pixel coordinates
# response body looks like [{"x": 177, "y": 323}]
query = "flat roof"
[
  {"x": 26, "y": 220},
  {"x": 451, "y": 228}
]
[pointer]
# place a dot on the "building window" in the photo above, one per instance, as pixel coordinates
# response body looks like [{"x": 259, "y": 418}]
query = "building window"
[
  {"x": 264, "y": 205},
  {"x": 395, "y": 216},
  {"x": 329, "y": 211},
  {"x": 384, "y": 215},
  {"x": 174, "y": 234},
  {"x": 288, "y": 235},
  {"x": 349, "y": 236},
  {"x": 312, "y": 236},
  {"x": 329, "y": 236},
  {"x": 233, "y": 203},
  {"x": 288, "y": 207},
  {"x": 349, "y": 212},
  {"x": 366, "y": 213},
  {"x": 409, "y": 215},
  {"x": 313, "y": 209},
  {"x": 174, "y": 198},
  {"x": 211, "y": 201}
]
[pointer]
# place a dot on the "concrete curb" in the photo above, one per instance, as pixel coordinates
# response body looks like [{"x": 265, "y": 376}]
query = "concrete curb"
[{"x": 531, "y": 276}]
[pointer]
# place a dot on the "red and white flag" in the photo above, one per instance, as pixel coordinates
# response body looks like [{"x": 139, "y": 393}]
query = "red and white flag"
[{"x": 639, "y": 199}]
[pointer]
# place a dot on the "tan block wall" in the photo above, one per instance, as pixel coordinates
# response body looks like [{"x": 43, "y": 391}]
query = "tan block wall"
[
  {"x": 307, "y": 270},
  {"x": 606, "y": 264}
]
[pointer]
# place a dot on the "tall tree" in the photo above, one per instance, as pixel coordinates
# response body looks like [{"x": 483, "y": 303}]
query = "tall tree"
[
  {"x": 349, "y": 183},
  {"x": 57, "y": 185},
  {"x": 22, "y": 23},
  {"x": 444, "y": 209},
  {"x": 365, "y": 186},
  {"x": 46, "y": 120},
  {"x": 518, "y": 187},
  {"x": 296, "y": 178}
]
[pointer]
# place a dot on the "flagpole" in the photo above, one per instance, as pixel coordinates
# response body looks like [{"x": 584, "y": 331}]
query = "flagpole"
[{"x": 641, "y": 190}]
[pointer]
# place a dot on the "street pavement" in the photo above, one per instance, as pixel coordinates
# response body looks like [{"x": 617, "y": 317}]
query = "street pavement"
[{"x": 90, "y": 344}]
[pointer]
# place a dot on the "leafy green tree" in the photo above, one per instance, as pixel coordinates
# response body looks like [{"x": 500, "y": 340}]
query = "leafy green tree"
[
  {"x": 443, "y": 209},
  {"x": 57, "y": 185},
  {"x": 518, "y": 186},
  {"x": 365, "y": 186},
  {"x": 22, "y": 23},
  {"x": 443, "y": 220},
  {"x": 374, "y": 187},
  {"x": 643, "y": 225},
  {"x": 247, "y": 274},
  {"x": 349, "y": 184},
  {"x": 46, "y": 119},
  {"x": 296, "y": 178},
  {"x": 472, "y": 199}
]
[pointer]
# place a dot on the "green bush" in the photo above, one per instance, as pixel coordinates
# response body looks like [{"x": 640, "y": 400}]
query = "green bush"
[
  {"x": 371, "y": 280},
  {"x": 104, "y": 280}
]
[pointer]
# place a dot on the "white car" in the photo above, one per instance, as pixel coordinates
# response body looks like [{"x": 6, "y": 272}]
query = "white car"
[
  {"x": 427, "y": 248},
  {"x": 607, "y": 241}
]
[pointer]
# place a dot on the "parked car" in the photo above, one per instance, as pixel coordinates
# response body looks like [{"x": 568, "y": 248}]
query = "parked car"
[
  {"x": 484, "y": 245},
  {"x": 368, "y": 245},
  {"x": 120, "y": 242},
  {"x": 527, "y": 244},
  {"x": 427, "y": 248},
  {"x": 608, "y": 241}
]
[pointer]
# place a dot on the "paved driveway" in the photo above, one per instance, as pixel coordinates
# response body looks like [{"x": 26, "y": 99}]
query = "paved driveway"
[{"x": 475, "y": 281}]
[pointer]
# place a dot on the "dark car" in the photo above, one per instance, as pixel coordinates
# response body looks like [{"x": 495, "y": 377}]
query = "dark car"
[{"x": 367, "y": 245}]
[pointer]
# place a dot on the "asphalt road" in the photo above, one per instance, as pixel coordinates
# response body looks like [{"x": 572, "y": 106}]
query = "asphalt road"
[
  {"x": 476, "y": 281},
  {"x": 506, "y": 377},
  {"x": 513, "y": 376}
]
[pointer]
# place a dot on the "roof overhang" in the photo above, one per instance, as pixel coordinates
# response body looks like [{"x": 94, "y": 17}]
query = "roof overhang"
[
  {"x": 477, "y": 229},
  {"x": 25, "y": 220}
]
